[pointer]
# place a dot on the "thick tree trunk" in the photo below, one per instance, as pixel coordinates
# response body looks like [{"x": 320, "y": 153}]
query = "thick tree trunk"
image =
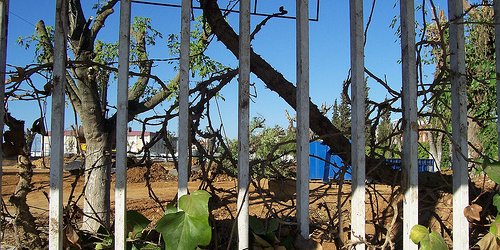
[
  {"x": 25, "y": 228},
  {"x": 98, "y": 153},
  {"x": 97, "y": 190},
  {"x": 19, "y": 144}
]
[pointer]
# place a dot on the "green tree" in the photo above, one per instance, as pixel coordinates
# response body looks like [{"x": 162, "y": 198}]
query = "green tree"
[
  {"x": 481, "y": 90},
  {"x": 270, "y": 150},
  {"x": 342, "y": 115},
  {"x": 384, "y": 132},
  {"x": 89, "y": 77}
]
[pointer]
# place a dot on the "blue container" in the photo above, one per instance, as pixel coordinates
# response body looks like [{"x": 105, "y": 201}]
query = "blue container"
[
  {"x": 424, "y": 165},
  {"x": 325, "y": 166}
]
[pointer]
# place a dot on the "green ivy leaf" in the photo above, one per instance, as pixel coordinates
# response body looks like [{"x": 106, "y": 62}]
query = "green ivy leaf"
[
  {"x": 427, "y": 241},
  {"x": 136, "y": 223},
  {"x": 493, "y": 171},
  {"x": 256, "y": 225},
  {"x": 263, "y": 226},
  {"x": 189, "y": 227},
  {"x": 419, "y": 233},
  {"x": 436, "y": 242},
  {"x": 170, "y": 209},
  {"x": 495, "y": 226},
  {"x": 149, "y": 246},
  {"x": 195, "y": 204},
  {"x": 496, "y": 202},
  {"x": 107, "y": 243},
  {"x": 272, "y": 225}
]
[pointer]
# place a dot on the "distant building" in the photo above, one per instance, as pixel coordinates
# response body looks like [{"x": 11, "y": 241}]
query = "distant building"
[
  {"x": 137, "y": 139},
  {"x": 135, "y": 143}
]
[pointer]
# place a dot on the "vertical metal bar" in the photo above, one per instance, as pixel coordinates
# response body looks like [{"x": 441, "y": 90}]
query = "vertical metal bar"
[
  {"x": 459, "y": 125},
  {"x": 121, "y": 127},
  {"x": 410, "y": 125},
  {"x": 184, "y": 100},
  {"x": 57, "y": 127},
  {"x": 302, "y": 46},
  {"x": 243, "y": 124},
  {"x": 4, "y": 25},
  {"x": 358, "y": 125}
]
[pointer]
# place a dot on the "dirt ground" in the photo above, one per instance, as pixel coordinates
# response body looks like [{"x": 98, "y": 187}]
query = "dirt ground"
[{"x": 324, "y": 198}]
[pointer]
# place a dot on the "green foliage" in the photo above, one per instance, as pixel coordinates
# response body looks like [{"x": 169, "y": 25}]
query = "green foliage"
[
  {"x": 142, "y": 25},
  {"x": 488, "y": 136},
  {"x": 481, "y": 83},
  {"x": 183, "y": 228},
  {"x": 492, "y": 239},
  {"x": 263, "y": 227},
  {"x": 106, "y": 243},
  {"x": 342, "y": 115},
  {"x": 145, "y": 246},
  {"x": 136, "y": 223},
  {"x": 492, "y": 170},
  {"x": 495, "y": 226},
  {"x": 496, "y": 202},
  {"x": 420, "y": 235},
  {"x": 384, "y": 134},
  {"x": 269, "y": 148},
  {"x": 264, "y": 141},
  {"x": 105, "y": 52},
  {"x": 200, "y": 64},
  {"x": 264, "y": 232},
  {"x": 42, "y": 51},
  {"x": 423, "y": 150},
  {"x": 189, "y": 227}
]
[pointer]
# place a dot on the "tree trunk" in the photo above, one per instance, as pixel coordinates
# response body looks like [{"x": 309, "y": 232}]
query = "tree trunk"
[
  {"x": 476, "y": 146},
  {"x": 98, "y": 154},
  {"x": 19, "y": 144},
  {"x": 97, "y": 179},
  {"x": 436, "y": 147},
  {"x": 275, "y": 81},
  {"x": 24, "y": 222}
]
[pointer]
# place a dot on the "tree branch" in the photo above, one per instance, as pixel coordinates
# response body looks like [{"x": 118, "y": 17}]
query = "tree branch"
[
  {"x": 144, "y": 66},
  {"x": 102, "y": 15}
]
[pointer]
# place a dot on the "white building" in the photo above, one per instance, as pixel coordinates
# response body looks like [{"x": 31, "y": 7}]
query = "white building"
[{"x": 135, "y": 143}]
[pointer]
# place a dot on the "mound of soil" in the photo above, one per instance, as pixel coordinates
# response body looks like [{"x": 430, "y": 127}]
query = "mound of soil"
[{"x": 157, "y": 172}]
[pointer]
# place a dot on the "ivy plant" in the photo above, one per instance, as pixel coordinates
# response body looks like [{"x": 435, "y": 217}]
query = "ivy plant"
[
  {"x": 492, "y": 239},
  {"x": 427, "y": 240},
  {"x": 183, "y": 228},
  {"x": 188, "y": 227}
]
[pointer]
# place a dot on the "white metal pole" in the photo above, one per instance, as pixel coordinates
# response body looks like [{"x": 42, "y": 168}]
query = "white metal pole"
[
  {"x": 459, "y": 125},
  {"x": 57, "y": 127},
  {"x": 243, "y": 124},
  {"x": 184, "y": 100},
  {"x": 358, "y": 125},
  {"x": 302, "y": 46},
  {"x": 410, "y": 129},
  {"x": 122, "y": 127},
  {"x": 4, "y": 25}
]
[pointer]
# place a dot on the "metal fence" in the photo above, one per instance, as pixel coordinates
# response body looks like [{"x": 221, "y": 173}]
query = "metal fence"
[{"x": 409, "y": 162}]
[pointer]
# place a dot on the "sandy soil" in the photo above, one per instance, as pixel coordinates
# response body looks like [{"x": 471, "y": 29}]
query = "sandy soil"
[{"x": 323, "y": 201}]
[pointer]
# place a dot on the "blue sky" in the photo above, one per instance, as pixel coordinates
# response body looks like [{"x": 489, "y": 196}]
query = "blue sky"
[{"x": 329, "y": 51}]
